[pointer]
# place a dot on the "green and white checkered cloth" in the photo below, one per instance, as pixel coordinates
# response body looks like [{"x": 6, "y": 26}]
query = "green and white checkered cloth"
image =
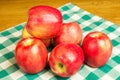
[{"x": 9, "y": 70}]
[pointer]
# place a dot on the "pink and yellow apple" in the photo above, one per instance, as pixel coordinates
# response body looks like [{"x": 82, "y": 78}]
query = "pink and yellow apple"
[
  {"x": 66, "y": 59},
  {"x": 44, "y": 22},
  {"x": 69, "y": 33},
  {"x": 31, "y": 55},
  {"x": 97, "y": 48}
]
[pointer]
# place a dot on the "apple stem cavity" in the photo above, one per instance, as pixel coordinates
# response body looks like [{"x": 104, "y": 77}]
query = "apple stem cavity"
[{"x": 60, "y": 67}]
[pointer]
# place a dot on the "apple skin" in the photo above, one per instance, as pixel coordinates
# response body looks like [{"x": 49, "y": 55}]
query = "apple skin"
[
  {"x": 97, "y": 48},
  {"x": 44, "y": 22},
  {"x": 66, "y": 59},
  {"x": 69, "y": 33},
  {"x": 25, "y": 34},
  {"x": 31, "y": 55},
  {"x": 47, "y": 42}
]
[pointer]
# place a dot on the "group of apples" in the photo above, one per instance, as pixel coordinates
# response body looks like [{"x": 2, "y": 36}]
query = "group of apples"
[{"x": 44, "y": 27}]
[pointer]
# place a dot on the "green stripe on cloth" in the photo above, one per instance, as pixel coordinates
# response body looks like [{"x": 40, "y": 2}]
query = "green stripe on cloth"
[{"x": 9, "y": 70}]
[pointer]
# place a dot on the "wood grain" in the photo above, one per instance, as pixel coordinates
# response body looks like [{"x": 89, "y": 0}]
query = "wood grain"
[{"x": 13, "y": 12}]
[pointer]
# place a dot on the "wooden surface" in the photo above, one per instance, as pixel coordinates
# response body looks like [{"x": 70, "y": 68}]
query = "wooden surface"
[{"x": 13, "y": 12}]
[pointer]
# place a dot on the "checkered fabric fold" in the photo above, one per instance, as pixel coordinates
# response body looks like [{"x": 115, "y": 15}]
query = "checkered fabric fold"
[{"x": 9, "y": 70}]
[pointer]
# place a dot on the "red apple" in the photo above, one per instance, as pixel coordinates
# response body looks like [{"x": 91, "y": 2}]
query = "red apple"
[
  {"x": 69, "y": 33},
  {"x": 97, "y": 48},
  {"x": 31, "y": 55},
  {"x": 44, "y": 22},
  {"x": 25, "y": 34},
  {"x": 66, "y": 59}
]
